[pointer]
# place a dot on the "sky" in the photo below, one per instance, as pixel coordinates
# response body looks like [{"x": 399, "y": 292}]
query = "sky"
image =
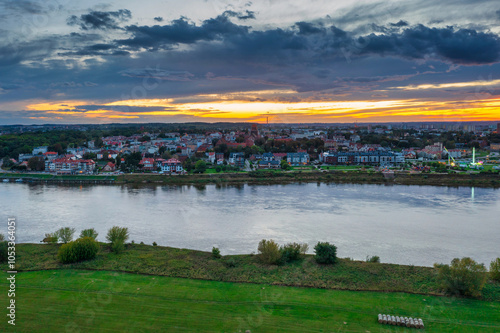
[{"x": 314, "y": 61}]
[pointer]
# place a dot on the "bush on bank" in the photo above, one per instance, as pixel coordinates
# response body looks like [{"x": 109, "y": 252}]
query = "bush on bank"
[
  {"x": 117, "y": 237},
  {"x": 82, "y": 249},
  {"x": 463, "y": 277},
  {"x": 326, "y": 253},
  {"x": 269, "y": 252},
  {"x": 495, "y": 270}
]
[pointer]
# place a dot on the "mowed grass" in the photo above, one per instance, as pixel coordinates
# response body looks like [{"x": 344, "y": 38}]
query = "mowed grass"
[{"x": 102, "y": 301}]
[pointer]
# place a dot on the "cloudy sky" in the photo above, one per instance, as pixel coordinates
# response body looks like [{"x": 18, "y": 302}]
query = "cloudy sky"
[{"x": 65, "y": 61}]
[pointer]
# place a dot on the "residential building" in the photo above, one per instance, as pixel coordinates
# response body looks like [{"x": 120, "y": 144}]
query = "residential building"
[
  {"x": 109, "y": 167},
  {"x": 297, "y": 158},
  {"x": 39, "y": 150},
  {"x": 69, "y": 165},
  {"x": 172, "y": 165},
  {"x": 237, "y": 159},
  {"x": 148, "y": 164},
  {"x": 269, "y": 164},
  {"x": 219, "y": 158}
]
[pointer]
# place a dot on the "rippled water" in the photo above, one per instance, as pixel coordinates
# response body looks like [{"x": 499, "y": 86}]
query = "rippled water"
[{"x": 417, "y": 225}]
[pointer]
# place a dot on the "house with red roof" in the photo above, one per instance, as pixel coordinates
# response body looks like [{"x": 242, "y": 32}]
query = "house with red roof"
[
  {"x": 69, "y": 165},
  {"x": 50, "y": 155},
  {"x": 279, "y": 156},
  {"x": 211, "y": 156},
  {"x": 148, "y": 164},
  {"x": 109, "y": 167},
  {"x": 172, "y": 165}
]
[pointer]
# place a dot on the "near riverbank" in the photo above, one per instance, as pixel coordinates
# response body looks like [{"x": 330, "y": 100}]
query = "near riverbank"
[{"x": 173, "y": 262}]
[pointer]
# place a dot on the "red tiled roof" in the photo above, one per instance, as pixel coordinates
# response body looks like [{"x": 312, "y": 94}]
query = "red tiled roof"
[{"x": 172, "y": 161}]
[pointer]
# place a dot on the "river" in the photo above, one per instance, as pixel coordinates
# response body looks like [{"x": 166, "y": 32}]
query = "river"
[{"x": 417, "y": 225}]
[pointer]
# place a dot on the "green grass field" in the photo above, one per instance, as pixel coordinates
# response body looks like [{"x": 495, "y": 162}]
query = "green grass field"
[{"x": 102, "y": 301}]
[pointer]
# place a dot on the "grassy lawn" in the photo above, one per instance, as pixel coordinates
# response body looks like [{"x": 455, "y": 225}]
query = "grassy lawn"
[{"x": 102, "y": 301}]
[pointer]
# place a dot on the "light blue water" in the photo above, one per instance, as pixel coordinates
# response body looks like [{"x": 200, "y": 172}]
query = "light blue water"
[{"x": 417, "y": 225}]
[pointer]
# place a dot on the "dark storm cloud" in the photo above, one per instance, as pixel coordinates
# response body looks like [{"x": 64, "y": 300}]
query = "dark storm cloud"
[
  {"x": 463, "y": 46},
  {"x": 247, "y": 15},
  {"x": 158, "y": 19},
  {"x": 181, "y": 31},
  {"x": 306, "y": 28},
  {"x": 401, "y": 23},
  {"x": 158, "y": 74},
  {"x": 100, "y": 20},
  {"x": 14, "y": 53},
  {"x": 100, "y": 49}
]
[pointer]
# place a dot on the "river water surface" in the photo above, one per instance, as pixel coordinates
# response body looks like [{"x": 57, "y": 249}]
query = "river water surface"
[{"x": 417, "y": 225}]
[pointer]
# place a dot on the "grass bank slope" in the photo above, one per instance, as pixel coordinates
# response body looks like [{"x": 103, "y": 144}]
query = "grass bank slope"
[{"x": 174, "y": 262}]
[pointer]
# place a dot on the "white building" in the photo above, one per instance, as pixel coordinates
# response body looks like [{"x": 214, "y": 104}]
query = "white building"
[{"x": 39, "y": 150}]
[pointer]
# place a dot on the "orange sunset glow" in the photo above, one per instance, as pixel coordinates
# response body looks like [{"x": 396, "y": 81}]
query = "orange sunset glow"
[{"x": 222, "y": 108}]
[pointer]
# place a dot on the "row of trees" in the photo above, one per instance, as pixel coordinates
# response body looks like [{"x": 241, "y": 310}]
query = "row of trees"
[
  {"x": 272, "y": 253},
  {"x": 86, "y": 246}
]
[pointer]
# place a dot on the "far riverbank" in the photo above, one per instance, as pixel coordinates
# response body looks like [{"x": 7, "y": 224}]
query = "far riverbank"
[{"x": 272, "y": 177}]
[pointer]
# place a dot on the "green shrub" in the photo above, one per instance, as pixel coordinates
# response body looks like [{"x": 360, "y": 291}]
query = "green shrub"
[
  {"x": 117, "y": 237},
  {"x": 218, "y": 169},
  {"x": 269, "y": 252},
  {"x": 216, "y": 253},
  {"x": 2, "y": 237},
  {"x": 85, "y": 248},
  {"x": 92, "y": 233},
  {"x": 292, "y": 251},
  {"x": 231, "y": 263},
  {"x": 65, "y": 235},
  {"x": 495, "y": 270},
  {"x": 154, "y": 244},
  {"x": 4, "y": 251},
  {"x": 326, "y": 253},
  {"x": 117, "y": 247},
  {"x": 50, "y": 238},
  {"x": 464, "y": 277},
  {"x": 373, "y": 259}
]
